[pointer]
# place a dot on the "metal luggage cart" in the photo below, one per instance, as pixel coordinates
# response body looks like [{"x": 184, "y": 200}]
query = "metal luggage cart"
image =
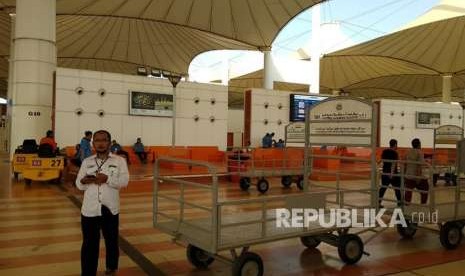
[
  {"x": 445, "y": 138},
  {"x": 289, "y": 168},
  {"x": 196, "y": 212},
  {"x": 443, "y": 213}
]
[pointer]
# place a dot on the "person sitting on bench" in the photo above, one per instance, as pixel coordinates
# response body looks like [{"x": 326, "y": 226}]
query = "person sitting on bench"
[
  {"x": 117, "y": 149},
  {"x": 140, "y": 151}
]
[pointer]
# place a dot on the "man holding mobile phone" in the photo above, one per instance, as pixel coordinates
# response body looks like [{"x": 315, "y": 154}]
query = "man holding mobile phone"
[{"x": 100, "y": 177}]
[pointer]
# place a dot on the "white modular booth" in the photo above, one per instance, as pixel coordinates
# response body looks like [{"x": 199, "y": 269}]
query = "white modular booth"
[
  {"x": 267, "y": 111},
  {"x": 139, "y": 106}
]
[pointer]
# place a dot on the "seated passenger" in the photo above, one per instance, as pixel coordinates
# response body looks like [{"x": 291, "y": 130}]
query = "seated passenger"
[
  {"x": 117, "y": 149},
  {"x": 50, "y": 140},
  {"x": 139, "y": 149}
]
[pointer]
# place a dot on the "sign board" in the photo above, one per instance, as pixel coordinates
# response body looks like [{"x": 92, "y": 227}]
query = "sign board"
[
  {"x": 150, "y": 104},
  {"x": 428, "y": 120},
  {"x": 295, "y": 133},
  {"x": 448, "y": 134},
  {"x": 341, "y": 121}
]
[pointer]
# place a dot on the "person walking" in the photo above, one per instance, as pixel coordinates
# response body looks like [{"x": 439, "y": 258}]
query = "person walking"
[
  {"x": 101, "y": 176},
  {"x": 390, "y": 171},
  {"x": 413, "y": 173}
]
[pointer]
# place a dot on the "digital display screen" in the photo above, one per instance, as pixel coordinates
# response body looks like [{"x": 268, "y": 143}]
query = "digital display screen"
[{"x": 298, "y": 103}]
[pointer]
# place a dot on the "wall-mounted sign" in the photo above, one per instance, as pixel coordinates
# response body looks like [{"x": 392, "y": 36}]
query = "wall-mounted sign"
[
  {"x": 150, "y": 104},
  {"x": 428, "y": 120},
  {"x": 341, "y": 122},
  {"x": 295, "y": 133},
  {"x": 448, "y": 134},
  {"x": 341, "y": 110},
  {"x": 33, "y": 113}
]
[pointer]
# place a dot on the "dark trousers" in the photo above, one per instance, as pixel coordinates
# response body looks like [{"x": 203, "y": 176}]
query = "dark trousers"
[
  {"x": 395, "y": 182},
  {"x": 419, "y": 184},
  {"x": 142, "y": 156},
  {"x": 91, "y": 226}
]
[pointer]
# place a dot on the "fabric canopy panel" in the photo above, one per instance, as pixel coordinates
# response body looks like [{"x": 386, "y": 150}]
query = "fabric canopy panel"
[
  {"x": 405, "y": 64},
  {"x": 120, "y": 35},
  {"x": 237, "y": 86},
  {"x": 423, "y": 87}
]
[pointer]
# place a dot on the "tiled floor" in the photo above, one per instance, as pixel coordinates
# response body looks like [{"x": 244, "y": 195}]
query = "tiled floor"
[{"x": 40, "y": 235}]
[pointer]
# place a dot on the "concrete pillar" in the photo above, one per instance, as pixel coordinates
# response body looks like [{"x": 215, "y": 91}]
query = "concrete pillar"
[
  {"x": 34, "y": 64},
  {"x": 225, "y": 70},
  {"x": 267, "y": 69},
  {"x": 446, "y": 88},
  {"x": 11, "y": 70},
  {"x": 315, "y": 51}
]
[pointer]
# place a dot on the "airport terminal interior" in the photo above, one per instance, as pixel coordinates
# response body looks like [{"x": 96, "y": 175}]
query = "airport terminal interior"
[{"x": 346, "y": 160}]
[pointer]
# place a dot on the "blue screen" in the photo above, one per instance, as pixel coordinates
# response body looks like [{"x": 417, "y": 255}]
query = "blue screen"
[{"x": 298, "y": 104}]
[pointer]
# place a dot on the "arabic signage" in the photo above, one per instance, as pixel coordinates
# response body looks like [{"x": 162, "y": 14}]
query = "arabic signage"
[
  {"x": 295, "y": 133},
  {"x": 341, "y": 110},
  {"x": 341, "y": 122},
  {"x": 349, "y": 128},
  {"x": 448, "y": 134},
  {"x": 150, "y": 104}
]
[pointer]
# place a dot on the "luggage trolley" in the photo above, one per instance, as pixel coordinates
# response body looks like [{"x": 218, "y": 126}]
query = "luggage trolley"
[
  {"x": 447, "y": 202},
  {"x": 444, "y": 210},
  {"x": 444, "y": 168},
  {"x": 198, "y": 213},
  {"x": 289, "y": 166}
]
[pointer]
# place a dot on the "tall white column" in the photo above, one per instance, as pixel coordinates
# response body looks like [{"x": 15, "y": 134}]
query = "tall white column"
[
  {"x": 446, "y": 88},
  {"x": 11, "y": 71},
  {"x": 225, "y": 69},
  {"x": 34, "y": 63},
  {"x": 315, "y": 51},
  {"x": 267, "y": 69}
]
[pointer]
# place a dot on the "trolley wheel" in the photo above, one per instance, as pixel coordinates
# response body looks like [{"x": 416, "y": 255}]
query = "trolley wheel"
[
  {"x": 407, "y": 232},
  {"x": 244, "y": 183},
  {"x": 27, "y": 181},
  {"x": 263, "y": 185},
  {"x": 350, "y": 248},
  {"x": 450, "y": 235},
  {"x": 198, "y": 257},
  {"x": 286, "y": 181},
  {"x": 310, "y": 241},
  {"x": 300, "y": 183},
  {"x": 16, "y": 175},
  {"x": 248, "y": 263}
]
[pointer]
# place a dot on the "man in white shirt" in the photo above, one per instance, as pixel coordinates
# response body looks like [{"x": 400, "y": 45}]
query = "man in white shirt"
[{"x": 100, "y": 177}]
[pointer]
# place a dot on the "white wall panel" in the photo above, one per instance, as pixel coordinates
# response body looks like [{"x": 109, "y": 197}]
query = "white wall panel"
[
  {"x": 408, "y": 121},
  {"x": 272, "y": 114},
  {"x": 126, "y": 128}
]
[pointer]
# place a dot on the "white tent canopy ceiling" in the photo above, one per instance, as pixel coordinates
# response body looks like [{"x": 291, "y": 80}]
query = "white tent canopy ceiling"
[
  {"x": 120, "y": 35},
  {"x": 408, "y": 64},
  {"x": 405, "y": 64}
]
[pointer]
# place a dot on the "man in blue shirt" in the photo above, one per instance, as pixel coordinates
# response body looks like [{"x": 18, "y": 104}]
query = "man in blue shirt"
[
  {"x": 140, "y": 151},
  {"x": 85, "y": 149},
  {"x": 265, "y": 140},
  {"x": 117, "y": 149}
]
